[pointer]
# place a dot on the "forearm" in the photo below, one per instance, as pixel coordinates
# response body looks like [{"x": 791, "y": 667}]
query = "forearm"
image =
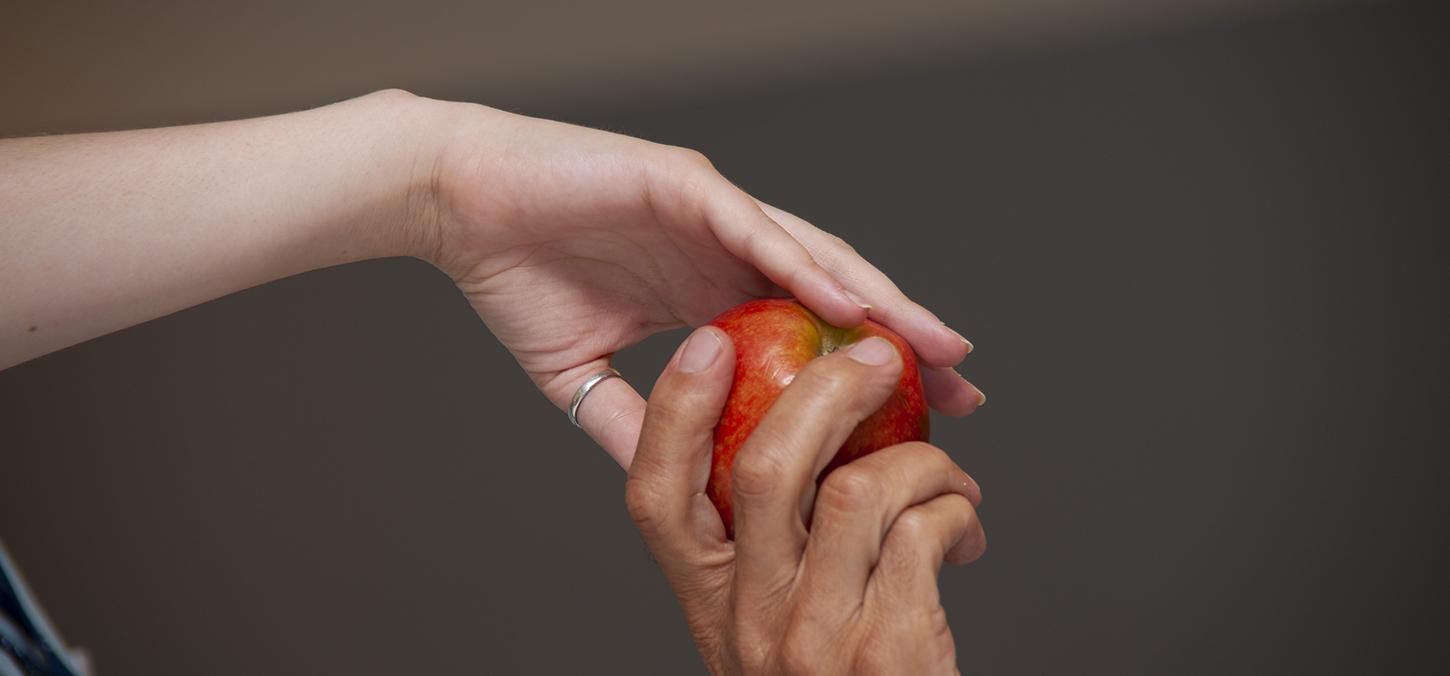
[{"x": 102, "y": 231}]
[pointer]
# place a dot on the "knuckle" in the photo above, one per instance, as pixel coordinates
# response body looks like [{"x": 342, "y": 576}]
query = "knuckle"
[
  {"x": 798, "y": 659},
  {"x": 752, "y": 650},
  {"x": 897, "y": 561},
  {"x": 694, "y": 157},
  {"x": 915, "y": 526},
  {"x": 687, "y": 160},
  {"x": 667, "y": 410},
  {"x": 933, "y": 462},
  {"x": 646, "y": 509},
  {"x": 757, "y": 472},
  {"x": 684, "y": 179},
  {"x": 874, "y": 657},
  {"x": 837, "y": 242},
  {"x": 829, "y": 379},
  {"x": 850, "y": 490},
  {"x": 629, "y": 419},
  {"x": 672, "y": 414},
  {"x": 962, "y": 509},
  {"x": 393, "y": 94},
  {"x": 801, "y": 651},
  {"x": 926, "y": 452}
]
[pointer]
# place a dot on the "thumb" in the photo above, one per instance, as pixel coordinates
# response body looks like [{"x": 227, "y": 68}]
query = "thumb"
[{"x": 672, "y": 464}]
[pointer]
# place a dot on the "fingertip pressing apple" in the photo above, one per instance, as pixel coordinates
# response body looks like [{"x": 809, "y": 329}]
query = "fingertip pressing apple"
[
  {"x": 938, "y": 349},
  {"x": 777, "y": 340},
  {"x": 818, "y": 290},
  {"x": 934, "y": 342},
  {"x": 823, "y": 295},
  {"x": 874, "y": 351},
  {"x": 700, "y": 350},
  {"x": 676, "y": 439},
  {"x": 698, "y": 375}
]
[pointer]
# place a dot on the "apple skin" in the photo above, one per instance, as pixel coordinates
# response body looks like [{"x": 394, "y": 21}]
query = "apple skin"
[{"x": 774, "y": 339}]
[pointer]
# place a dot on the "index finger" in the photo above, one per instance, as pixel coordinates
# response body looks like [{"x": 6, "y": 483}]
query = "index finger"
[
  {"x": 692, "y": 192},
  {"x": 774, "y": 471},
  {"x": 935, "y": 343}
]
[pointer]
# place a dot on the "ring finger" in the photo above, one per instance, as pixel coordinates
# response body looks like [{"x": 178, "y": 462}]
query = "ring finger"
[{"x": 859, "y": 503}]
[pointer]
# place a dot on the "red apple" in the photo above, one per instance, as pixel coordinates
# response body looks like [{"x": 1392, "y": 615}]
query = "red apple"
[{"x": 775, "y": 339}]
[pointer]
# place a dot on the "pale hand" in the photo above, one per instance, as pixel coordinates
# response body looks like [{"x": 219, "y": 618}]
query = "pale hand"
[{"x": 573, "y": 244}]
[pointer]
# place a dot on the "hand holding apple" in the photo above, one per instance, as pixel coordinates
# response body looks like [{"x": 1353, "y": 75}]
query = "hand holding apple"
[
  {"x": 832, "y": 576},
  {"x": 774, "y": 339}
]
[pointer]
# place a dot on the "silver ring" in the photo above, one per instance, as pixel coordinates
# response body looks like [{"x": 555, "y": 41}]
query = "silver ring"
[{"x": 583, "y": 390}]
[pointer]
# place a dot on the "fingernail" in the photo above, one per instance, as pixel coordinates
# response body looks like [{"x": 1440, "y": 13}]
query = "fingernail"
[
  {"x": 856, "y": 299},
  {"x": 960, "y": 337},
  {"x": 972, "y": 484},
  {"x": 873, "y": 351},
  {"x": 700, "y": 351},
  {"x": 981, "y": 396}
]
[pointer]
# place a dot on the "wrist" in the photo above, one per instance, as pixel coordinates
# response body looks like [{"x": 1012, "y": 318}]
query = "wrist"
[
  {"x": 454, "y": 171},
  {"x": 394, "y": 175}
]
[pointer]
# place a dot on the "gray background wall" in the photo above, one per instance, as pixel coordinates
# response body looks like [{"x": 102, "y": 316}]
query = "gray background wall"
[{"x": 1201, "y": 261}]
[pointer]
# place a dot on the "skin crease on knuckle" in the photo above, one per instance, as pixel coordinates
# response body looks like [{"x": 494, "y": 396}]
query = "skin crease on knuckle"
[
  {"x": 801, "y": 653},
  {"x": 844, "y": 248},
  {"x": 692, "y": 158},
  {"x": 644, "y": 506},
  {"x": 831, "y": 381},
  {"x": 755, "y": 646},
  {"x": 914, "y": 526},
  {"x": 678, "y": 185},
  {"x": 697, "y": 175},
  {"x": 848, "y": 492},
  {"x": 761, "y": 464},
  {"x": 913, "y": 538},
  {"x": 842, "y": 387},
  {"x": 909, "y": 544},
  {"x": 759, "y": 468},
  {"x": 668, "y": 410},
  {"x": 941, "y": 461}
]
